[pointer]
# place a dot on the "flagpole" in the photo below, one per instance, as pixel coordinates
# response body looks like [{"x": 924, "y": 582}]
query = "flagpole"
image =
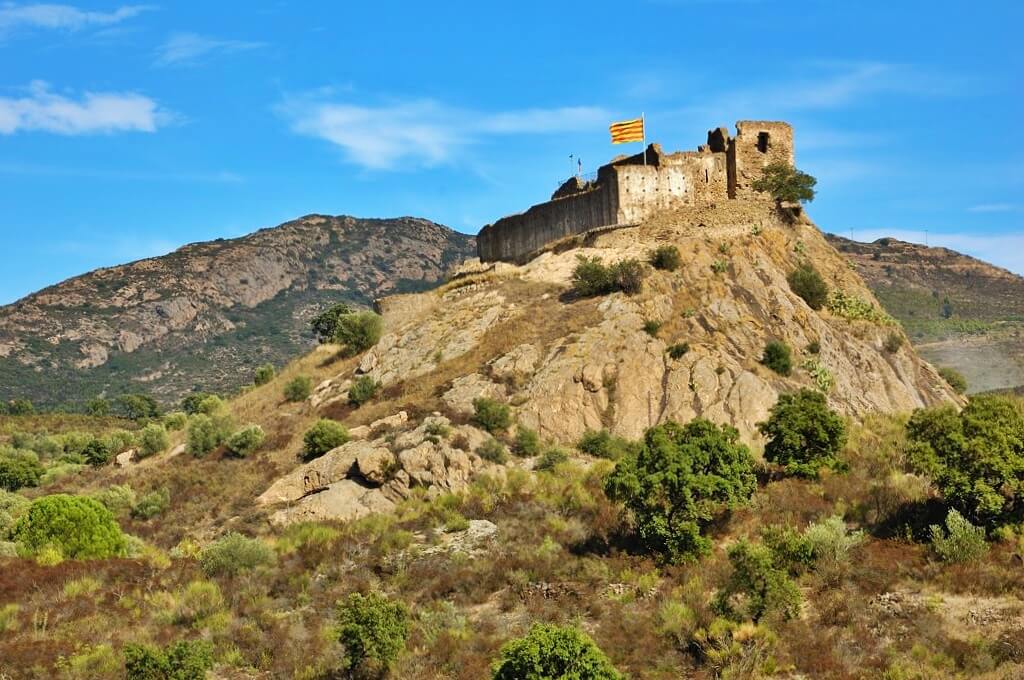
[{"x": 643, "y": 127}]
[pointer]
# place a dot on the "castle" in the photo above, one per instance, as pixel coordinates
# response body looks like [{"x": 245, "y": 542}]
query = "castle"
[{"x": 626, "y": 191}]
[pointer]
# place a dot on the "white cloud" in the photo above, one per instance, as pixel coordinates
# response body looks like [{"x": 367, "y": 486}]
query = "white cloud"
[
  {"x": 61, "y": 17},
  {"x": 131, "y": 175},
  {"x": 992, "y": 208},
  {"x": 188, "y": 48},
  {"x": 424, "y": 132},
  {"x": 1003, "y": 250},
  {"x": 96, "y": 112}
]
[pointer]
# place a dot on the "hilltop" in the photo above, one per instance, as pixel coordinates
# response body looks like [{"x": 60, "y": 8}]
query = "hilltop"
[
  {"x": 203, "y": 316},
  {"x": 959, "y": 311}
]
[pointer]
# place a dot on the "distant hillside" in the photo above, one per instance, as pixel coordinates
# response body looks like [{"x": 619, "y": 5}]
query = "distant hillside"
[
  {"x": 958, "y": 310},
  {"x": 203, "y": 316}
]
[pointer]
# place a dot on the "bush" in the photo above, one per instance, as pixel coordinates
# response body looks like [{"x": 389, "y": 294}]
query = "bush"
[
  {"x": 19, "y": 469},
  {"x": 152, "y": 504},
  {"x": 362, "y": 390},
  {"x": 234, "y": 553},
  {"x": 325, "y": 324},
  {"x": 192, "y": 404},
  {"x": 652, "y": 327},
  {"x": 119, "y": 498},
  {"x": 681, "y": 478},
  {"x": 493, "y": 450},
  {"x": 359, "y": 331},
  {"x": 97, "y": 407},
  {"x": 806, "y": 282},
  {"x": 961, "y": 542},
  {"x": 491, "y": 414},
  {"x": 136, "y": 406},
  {"x": 975, "y": 458},
  {"x": 527, "y": 442},
  {"x": 175, "y": 421},
  {"x": 666, "y": 258},
  {"x": 120, "y": 440},
  {"x": 373, "y": 630},
  {"x": 757, "y": 587},
  {"x": 552, "y": 457},
  {"x": 954, "y": 379},
  {"x": 785, "y": 183},
  {"x": 555, "y": 652},
  {"x": 246, "y": 441},
  {"x": 211, "y": 405},
  {"x": 205, "y": 433},
  {"x": 152, "y": 440},
  {"x": 777, "y": 357},
  {"x": 263, "y": 374},
  {"x": 592, "y": 277},
  {"x": 602, "y": 444},
  {"x": 678, "y": 350},
  {"x": 628, "y": 276},
  {"x": 77, "y": 526},
  {"x": 182, "y": 660},
  {"x": 322, "y": 437},
  {"x": 197, "y": 601},
  {"x": 298, "y": 388},
  {"x": 19, "y": 407},
  {"x": 893, "y": 342},
  {"x": 97, "y": 452},
  {"x": 804, "y": 434},
  {"x": 12, "y": 507}
]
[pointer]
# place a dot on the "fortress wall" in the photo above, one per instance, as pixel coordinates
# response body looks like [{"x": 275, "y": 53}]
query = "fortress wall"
[
  {"x": 646, "y": 189},
  {"x": 512, "y": 238},
  {"x": 750, "y": 159}
]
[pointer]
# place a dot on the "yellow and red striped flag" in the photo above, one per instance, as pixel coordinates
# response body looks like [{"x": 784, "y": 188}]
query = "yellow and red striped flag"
[{"x": 627, "y": 131}]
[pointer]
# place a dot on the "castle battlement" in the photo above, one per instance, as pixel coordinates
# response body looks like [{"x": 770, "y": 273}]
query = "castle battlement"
[{"x": 627, "y": 190}]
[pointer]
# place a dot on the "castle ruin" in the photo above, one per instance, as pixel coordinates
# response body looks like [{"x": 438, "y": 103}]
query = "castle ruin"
[{"x": 627, "y": 191}]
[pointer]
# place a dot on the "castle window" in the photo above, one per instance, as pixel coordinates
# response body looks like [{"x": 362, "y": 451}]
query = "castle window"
[
  {"x": 762, "y": 142},
  {"x": 705, "y": 175}
]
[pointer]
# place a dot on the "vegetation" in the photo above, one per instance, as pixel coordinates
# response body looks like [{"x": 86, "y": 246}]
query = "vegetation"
[
  {"x": 785, "y": 183},
  {"x": 205, "y": 433},
  {"x": 325, "y": 324},
  {"x": 494, "y": 451},
  {"x": 758, "y": 586},
  {"x": 527, "y": 442},
  {"x": 777, "y": 356},
  {"x": 678, "y": 350},
  {"x": 181, "y": 660},
  {"x": 75, "y": 526},
  {"x": 263, "y": 374},
  {"x": 151, "y": 505},
  {"x": 857, "y": 309},
  {"x": 954, "y": 379},
  {"x": 322, "y": 437},
  {"x": 373, "y": 630},
  {"x": 491, "y": 415},
  {"x": 136, "y": 406},
  {"x": 234, "y": 553},
  {"x": 960, "y": 542},
  {"x": 681, "y": 478},
  {"x": 804, "y": 434},
  {"x": 19, "y": 469},
  {"x": 358, "y": 331},
  {"x": 602, "y": 444},
  {"x": 555, "y": 652},
  {"x": 246, "y": 441},
  {"x": 362, "y": 390},
  {"x": 666, "y": 258},
  {"x": 298, "y": 388},
  {"x": 593, "y": 277},
  {"x": 153, "y": 439},
  {"x": 806, "y": 282}
]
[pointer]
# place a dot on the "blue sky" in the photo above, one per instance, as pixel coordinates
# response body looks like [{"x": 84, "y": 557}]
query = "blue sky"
[{"x": 128, "y": 130}]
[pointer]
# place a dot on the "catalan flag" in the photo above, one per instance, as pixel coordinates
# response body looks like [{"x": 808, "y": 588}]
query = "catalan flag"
[{"x": 627, "y": 131}]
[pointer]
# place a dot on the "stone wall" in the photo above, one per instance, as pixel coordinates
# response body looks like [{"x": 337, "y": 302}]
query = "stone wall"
[{"x": 756, "y": 144}]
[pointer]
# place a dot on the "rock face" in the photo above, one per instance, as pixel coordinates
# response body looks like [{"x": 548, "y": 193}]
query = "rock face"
[
  {"x": 367, "y": 476},
  {"x": 204, "y": 315},
  {"x": 567, "y": 364}
]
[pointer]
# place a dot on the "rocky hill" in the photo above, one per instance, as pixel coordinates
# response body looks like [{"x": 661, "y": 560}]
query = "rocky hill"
[
  {"x": 959, "y": 311},
  {"x": 203, "y": 316}
]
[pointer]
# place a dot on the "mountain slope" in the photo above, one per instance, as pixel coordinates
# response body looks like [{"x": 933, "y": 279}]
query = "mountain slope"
[
  {"x": 959, "y": 311},
  {"x": 203, "y": 316}
]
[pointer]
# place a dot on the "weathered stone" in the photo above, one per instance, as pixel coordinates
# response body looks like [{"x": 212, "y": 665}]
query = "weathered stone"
[
  {"x": 343, "y": 501},
  {"x": 125, "y": 458},
  {"x": 469, "y": 387},
  {"x": 374, "y": 465}
]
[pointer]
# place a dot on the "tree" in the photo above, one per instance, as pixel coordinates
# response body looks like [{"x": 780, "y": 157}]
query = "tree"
[
  {"x": 362, "y": 390},
  {"x": 806, "y": 282},
  {"x": 298, "y": 388},
  {"x": 763, "y": 586},
  {"x": 491, "y": 414},
  {"x": 98, "y": 452},
  {"x": 192, "y": 404},
  {"x": 20, "y": 407},
  {"x": 804, "y": 434},
  {"x": 975, "y": 458},
  {"x": 322, "y": 437},
  {"x": 97, "y": 407},
  {"x": 785, "y": 183},
  {"x": 19, "y": 469},
  {"x": 550, "y": 652},
  {"x": 205, "y": 433},
  {"x": 137, "y": 406},
  {"x": 263, "y": 374},
  {"x": 325, "y": 324},
  {"x": 246, "y": 441},
  {"x": 681, "y": 478},
  {"x": 358, "y": 331},
  {"x": 152, "y": 440},
  {"x": 778, "y": 357},
  {"x": 373, "y": 629},
  {"x": 77, "y": 526}
]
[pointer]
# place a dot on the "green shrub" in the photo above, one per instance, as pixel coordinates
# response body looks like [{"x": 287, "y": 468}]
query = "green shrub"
[
  {"x": 814, "y": 347},
  {"x": 678, "y": 350},
  {"x": 757, "y": 587},
  {"x": 322, "y": 437},
  {"x": 960, "y": 542},
  {"x": 804, "y": 434},
  {"x": 491, "y": 414},
  {"x": 893, "y": 342},
  {"x": 298, "y": 388},
  {"x": 246, "y": 441},
  {"x": 12, "y": 507},
  {"x": 197, "y": 601},
  {"x": 325, "y": 324},
  {"x": 807, "y": 283},
  {"x": 119, "y": 498},
  {"x": 652, "y": 328},
  {"x": 120, "y": 440},
  {"x": 205, "y": 433},
  {"x": 954, "y": 379},
  {"x": 97, "y": 452},
  {"x": 152, "y": 504},
  {"x": 19, "y": 469},
  {"x": 857, "y": 309},
  {"x": 602, "y": 444},
  {"x": 493, "y": 450},
  {"x": 373, "y": 630},
  {"x": 359, "y": 331},
  {"x": 719, "y": 266},
  {"x": 136, "y": 406},
  {"x": 175, "y": 421},
  {"x": 263, "y": 374},
  {"x": 234, "y": 553},
  {"x": 97, "y": 407},
  {"x": 592, "y": 277},
  {"x": 785, "y": 183},
  {"x": 681, "y": 478},
  {"x": 211, "y": 405},
  {"x": 362, "y": 390},
  {"x": 192, "y": 404},
  {"x": 77, "y": 526},
  {"x": 975, "y": 457},
  {"x": 182, "y": 660},
  {"x": 555, "y": 653},
  {"x": 527, "y": 442},
  {"x": 822, "y": 377},
  {"x": 152, "y": 440},
  {"x": 628, "y": 276},
  {"x": 778, "y": 357},
  {"x": 666, "y": 258},
  {"x": 18, "y": 407},
  {"x": 552, "y": 457}
]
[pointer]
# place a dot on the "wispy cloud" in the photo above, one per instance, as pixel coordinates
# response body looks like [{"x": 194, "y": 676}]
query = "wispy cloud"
[
  {"x": 993, "y": 208},
  {"x": 1004, "y": 250},
  {"x": 96, "y": 112},
  {"x": 19, "y": 169},
  {"x": 189, "y": 48},
  {"x": 423, "y": 132},
  {"x": 61, "y": 17}
]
